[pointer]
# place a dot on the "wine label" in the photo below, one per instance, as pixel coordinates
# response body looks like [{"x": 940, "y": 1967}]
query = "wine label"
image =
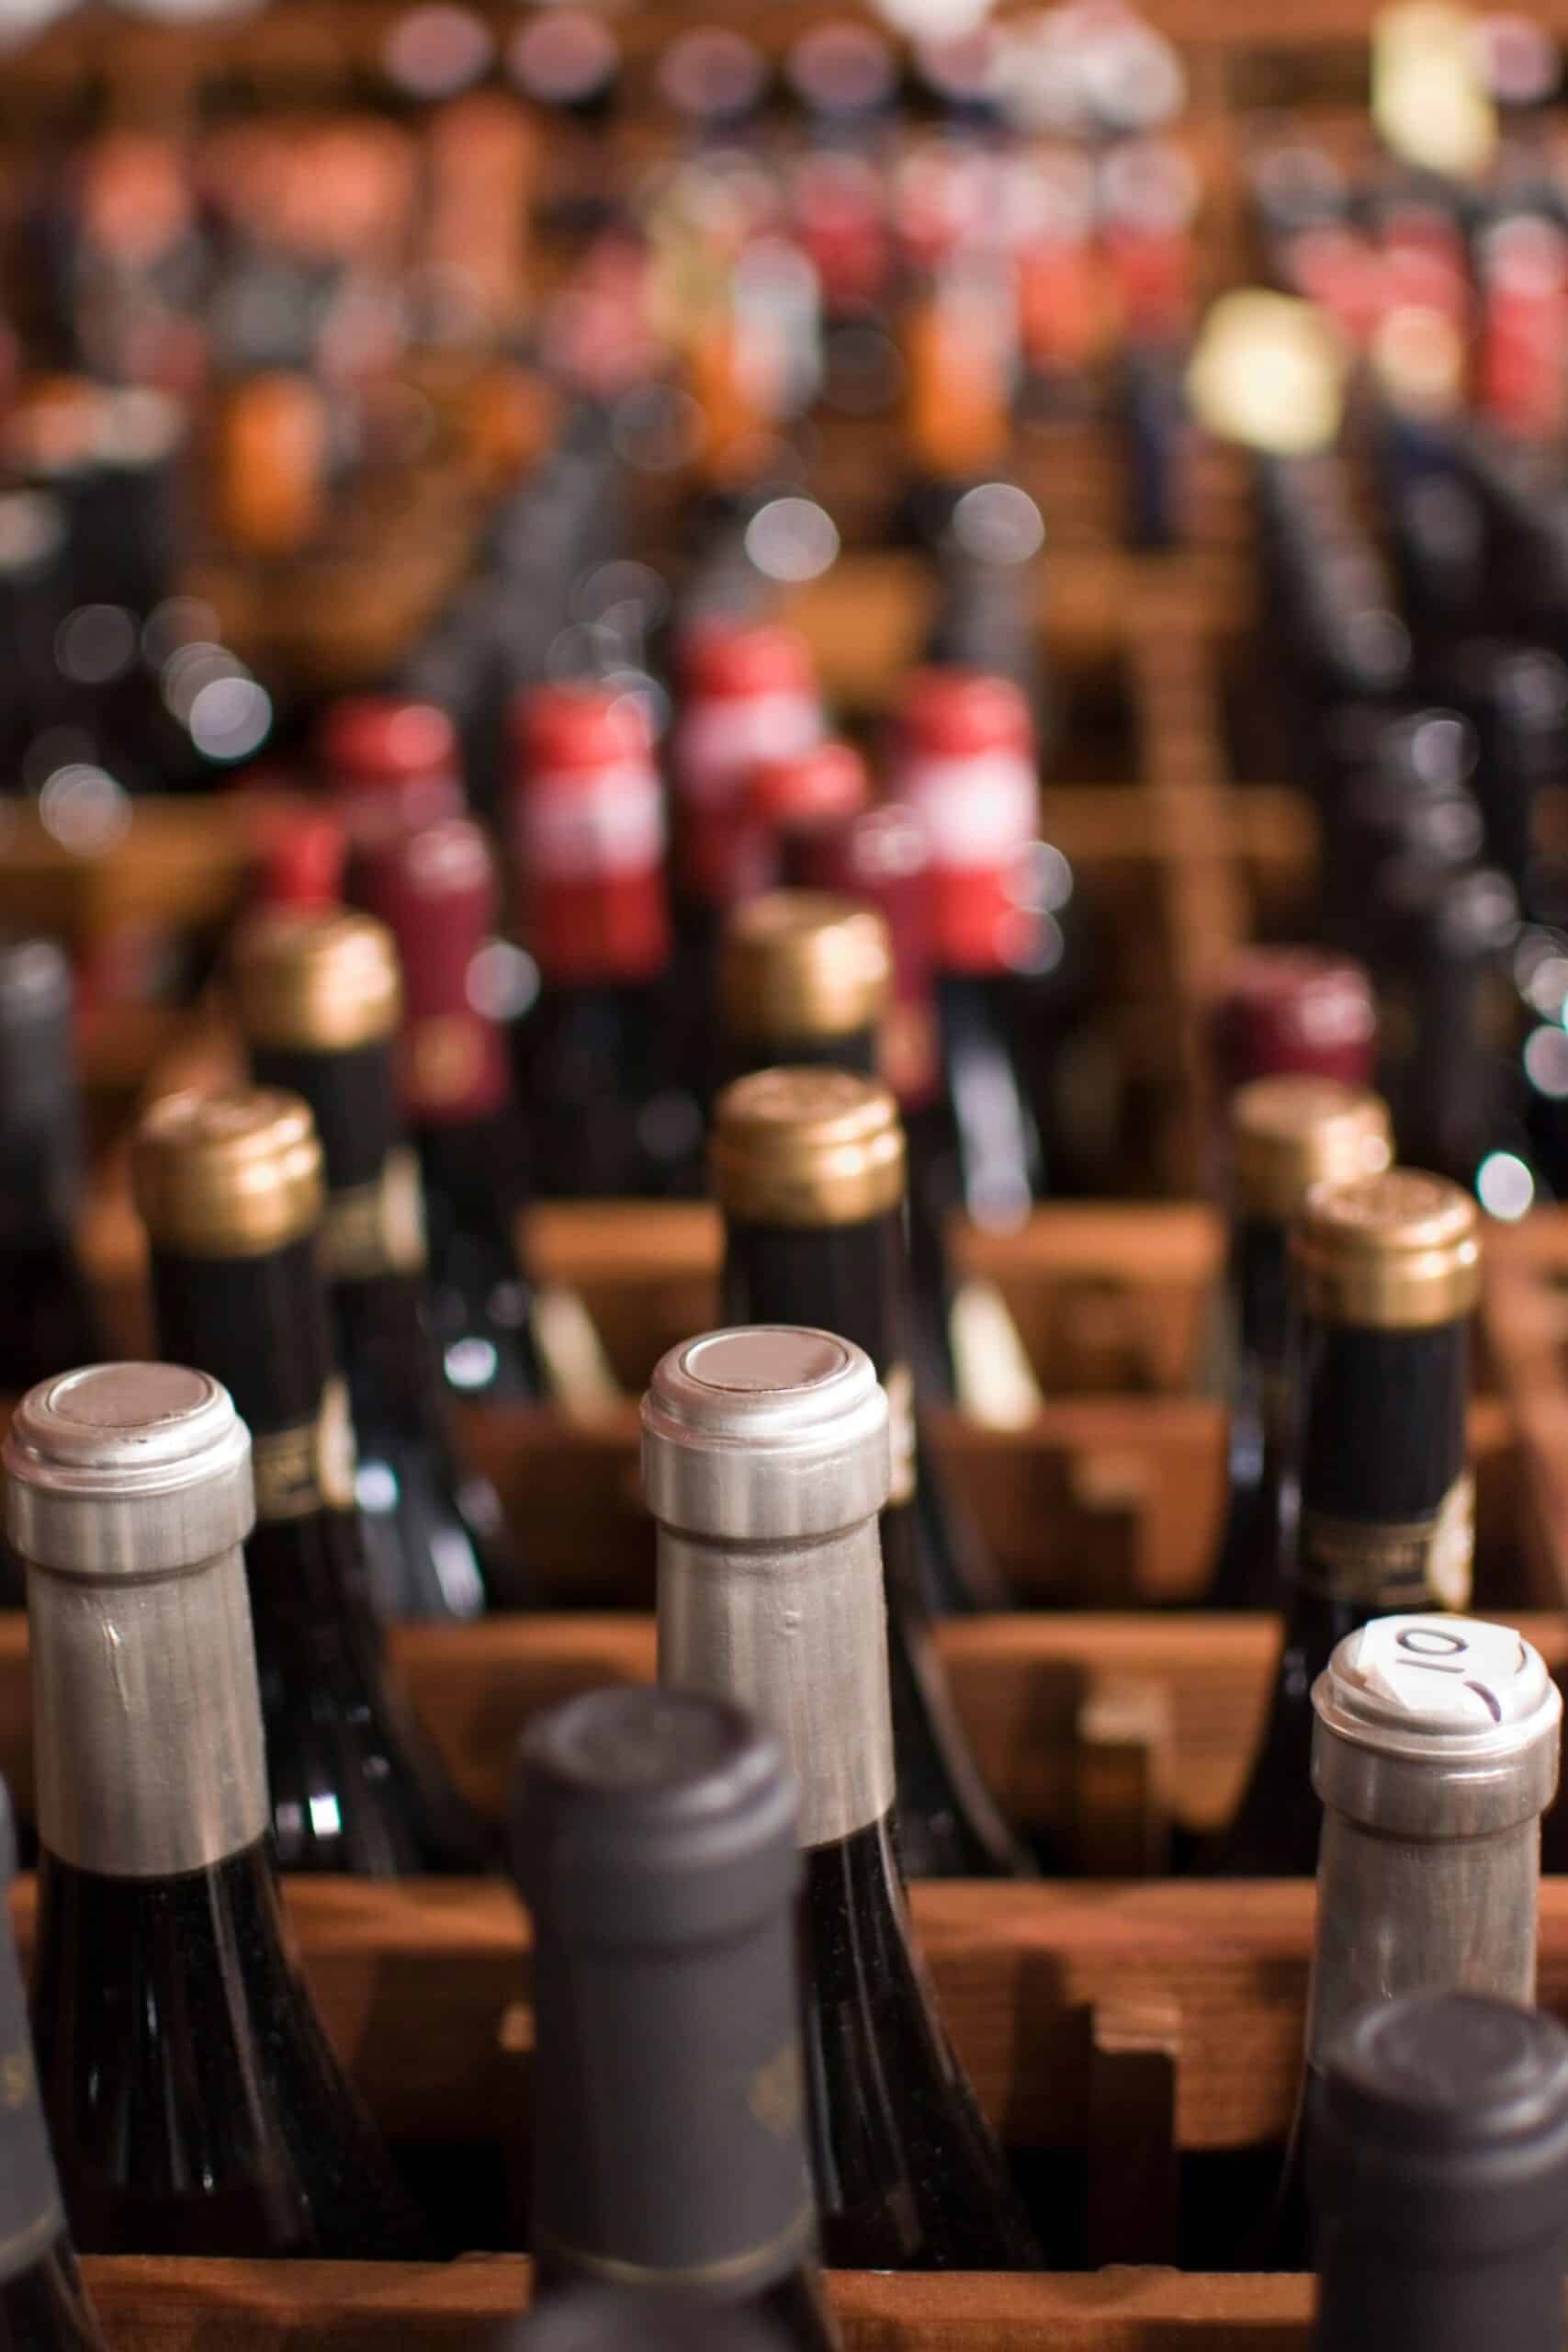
[
  {"x": 30, "y": 2214},
  {"x": 898, "y": 1382},
  {"x": 309, "y": 1467},
  {"x": 377, "y": 1228},
  {"x": 1386, "y": 1564}
]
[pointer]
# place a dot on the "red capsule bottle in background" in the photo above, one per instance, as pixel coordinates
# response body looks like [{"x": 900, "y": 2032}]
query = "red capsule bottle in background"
[
  {"x": 607, "y": 1116},
  {"x": 793, "y": 803},
  {"x": 436, "y": 890},
  {"x": 390, "y": 764},
  {"x": 963, "y": 760},
  {"x": 883, "y": 858},
  {"x": 746, "y": 694}
]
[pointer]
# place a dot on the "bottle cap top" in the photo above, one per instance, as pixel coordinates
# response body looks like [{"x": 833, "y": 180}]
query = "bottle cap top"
[
  {"x": 727, "y": 660},
  {"x": 768, "y": 1433},
  {"x": 557, "y": 730},
  {"x": 227, "y": 1175},
  {"x": 806, "y": 1146},
  {"x": 1293, "y": 1009},
  {"x": 828, "y": 781},
  {"x": 1440, "y": 2130},
  {"x": 127, "y": 1469},
  {"x": 316, "y": 981},
  {"x": 1436, "y": 1726},
  {"x": 1293, "y": 1132},
  {"x": 367, "y": 741},
  {"x": 957, "y": 713},
  {"x": 1397, "y": 1252},
  {"x": 651, "y": 1816},
  {"x": 798, "y": 964}
]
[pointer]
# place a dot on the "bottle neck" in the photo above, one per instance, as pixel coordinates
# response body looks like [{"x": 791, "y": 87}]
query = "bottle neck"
[
  {"x": 1386, "y": 1514},
  {"x": 798, "y": 1632},
  {"x": 854, "y": 1049},
  {"x": 1376, "y": 2296},
  {"x": 853, "y": 1279},
  {"x": 668, "y": 2112},
  {"x": 32, "y": 2216},
  {"x": 1260, "y": 1284},
  {"x": 40, "y": 1177},
  {"x": 259, "y": 1325},
  {"x": 147, "y": 1730},
  {"x": 1398, "y": 1915},
  {"x": 373, "y": 1224}
]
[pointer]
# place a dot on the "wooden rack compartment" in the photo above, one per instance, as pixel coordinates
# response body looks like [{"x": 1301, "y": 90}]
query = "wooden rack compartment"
[{"x": 172, "y": 2306}]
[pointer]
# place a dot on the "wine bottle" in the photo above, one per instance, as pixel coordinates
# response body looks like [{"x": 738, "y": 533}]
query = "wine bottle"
[
  {"x": 1288, "y": 1134},
  {"x": 963, "y": 761},
  {"x": 793, "y": 802},
  {"x": 1284, "y": 1012},
  {"x": 807, "y": 1167},
  {"x": 194, "y": 2103},
  {"x": 766, "y": 1464},
  {"x": 986, "y": 617},
  {"x": 747, "y": 693},
  {"x": 1447, "y": 1065},
  {"x": 653, "y": 1835},
  {"x": 1441, "y": 2173},
  {"x": 390, "y": 765},
  {"x": 44, "y": 2307},
  {"x": 810, "y": 977},
  {"x": 1518, "y": 697},
  {"x": 1410, "y": 796},
  {"x": 606, "y": 1120},
  {"x": 435, "y": 890},
  {"x": 1380, "y": 1505},
  {"x": 48, "y": 1321},
  {"x": 804, "y": 977},
  {"x": 611, "y": 2319},
  {"x": 882, "y": 858},
  {"x": 1435, "y": 1752},
  {"x": 230, "y": 1188},
  {"x": 319, "y": 999}
]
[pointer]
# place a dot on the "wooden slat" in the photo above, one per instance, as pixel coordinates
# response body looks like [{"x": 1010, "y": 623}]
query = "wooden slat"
[
  {"x": 184, "y": 2306},
  {"x": 414, "y": 1978}
]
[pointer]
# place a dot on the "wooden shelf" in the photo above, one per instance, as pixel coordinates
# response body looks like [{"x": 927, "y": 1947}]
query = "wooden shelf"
[{"x": 184, "y": 2306}]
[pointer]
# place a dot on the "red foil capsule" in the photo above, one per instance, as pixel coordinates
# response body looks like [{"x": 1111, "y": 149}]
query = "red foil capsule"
[
  {"x": 1294, "y": 1009},
  {"x": 435, "y": 890},
  {"x": 298, "y": 848},
  {"x": 390, "y": 764},
  {"x": 883, "y": 858},
  {"x": 963, "y": 760},
  {"x": 588, "y": 836},
  {"x": 748, "y": 694},
  {"x": 792, "y": 800}
]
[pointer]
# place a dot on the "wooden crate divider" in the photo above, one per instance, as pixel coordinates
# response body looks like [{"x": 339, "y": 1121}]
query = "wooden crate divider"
[
  {"x": 187, "y": 2306},
  {"x": 1046, "y": 1989}
]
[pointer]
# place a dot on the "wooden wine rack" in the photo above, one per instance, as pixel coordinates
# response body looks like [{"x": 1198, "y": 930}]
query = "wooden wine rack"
[{"x": 1127, "y": 2019}]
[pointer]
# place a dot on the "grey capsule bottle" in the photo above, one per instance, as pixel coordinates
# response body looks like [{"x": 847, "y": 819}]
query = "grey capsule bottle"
[
  {"x": 194, "y": 2103},
  {"x": 1434, "y": 1752},
  {"x": 653, "y": 1834},
  {"x": 766, "y": 1464},
  {"x": 1439, "y": 2179}
]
